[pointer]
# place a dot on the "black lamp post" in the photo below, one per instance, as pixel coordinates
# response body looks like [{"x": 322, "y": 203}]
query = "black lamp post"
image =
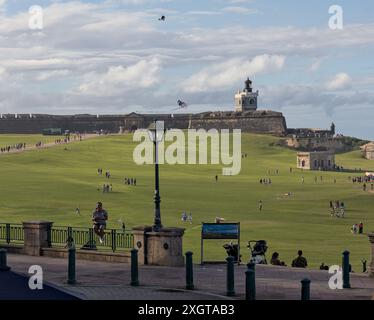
[{"x": 156, "y": 133}]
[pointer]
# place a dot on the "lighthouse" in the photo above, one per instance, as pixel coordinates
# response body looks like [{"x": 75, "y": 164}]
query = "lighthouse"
[{"x": 246, "y": 100}]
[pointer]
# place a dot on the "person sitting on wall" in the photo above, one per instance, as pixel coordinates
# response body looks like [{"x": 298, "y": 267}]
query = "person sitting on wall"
[
  {"x": 323, "y": 267},
  {"x": 275, "y": 261},
  {"x": 300, "y": 261},
  {"x": 99, "y": 217}
]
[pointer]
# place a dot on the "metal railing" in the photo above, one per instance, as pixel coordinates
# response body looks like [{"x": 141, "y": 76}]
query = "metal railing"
[
  {"x": 83, "y": 238},
  {"x": 11, "y": 233}
]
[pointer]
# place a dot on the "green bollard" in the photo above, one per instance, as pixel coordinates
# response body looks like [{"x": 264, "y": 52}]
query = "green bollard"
[
  {"x": 230, "y": 284},
  {"x": 250, "y": 284},
  {"x": 305, "y": 289},
  {"x": 134, "y": 268},
  {"x": 346, "y": 270},
  {"x": 3, "y": 261},
  {"x": 189, "y": 271},
  {"x": 71, "y": 266},
  {"x": 251, "y": 265}
]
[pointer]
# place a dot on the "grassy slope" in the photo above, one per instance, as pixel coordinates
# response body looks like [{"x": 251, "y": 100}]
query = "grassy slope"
[{"x": 49, "y": 184}]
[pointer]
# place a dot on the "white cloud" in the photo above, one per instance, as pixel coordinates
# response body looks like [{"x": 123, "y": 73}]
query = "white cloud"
[
  {"x": 3, "y": 72},
  {"x": 240, "y": 10},
  {"x": 45, "y": 75},
  {"x": 35, "y": 64},
  {"x": 228, "y": 73},
  {"x": 203, "y": 13},
  {"x": 140, "y": 75},
  {"x": 339, "y": 82},
  {"x": 315, "y": 66}
]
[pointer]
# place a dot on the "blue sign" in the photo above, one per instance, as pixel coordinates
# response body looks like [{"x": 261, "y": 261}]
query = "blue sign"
[{"x": 220, "y": 231}]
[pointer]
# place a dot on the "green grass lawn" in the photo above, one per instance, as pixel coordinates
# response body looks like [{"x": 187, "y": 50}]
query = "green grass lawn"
[{"x": 49, "y": 184}]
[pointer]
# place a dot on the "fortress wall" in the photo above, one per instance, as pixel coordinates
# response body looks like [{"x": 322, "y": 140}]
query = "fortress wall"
[
  {"x": 26, "y": 125},
  {"x": 322, "y": 143},
  {"x": 254, "y": 122},
  {"x": 273, "y": 125}
]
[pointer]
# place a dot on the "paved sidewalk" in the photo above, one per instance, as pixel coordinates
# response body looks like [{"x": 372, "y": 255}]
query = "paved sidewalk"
[
  {"x": 16, "y": 287},
  {"x": 100, "y": 280}
]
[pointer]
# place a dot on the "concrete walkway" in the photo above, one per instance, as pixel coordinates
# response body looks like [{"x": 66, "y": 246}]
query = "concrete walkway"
[{"x": 99, "y": 280}]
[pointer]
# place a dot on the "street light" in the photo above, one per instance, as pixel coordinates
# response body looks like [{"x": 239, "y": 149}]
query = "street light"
[{"x": 156, "y": 133}]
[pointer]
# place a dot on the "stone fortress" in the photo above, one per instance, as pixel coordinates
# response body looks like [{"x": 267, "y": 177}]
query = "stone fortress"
[
  {"x": 245, "y": 117},
  {"x": 368, "y": 151},
  {"x": 317, "y": 146}
]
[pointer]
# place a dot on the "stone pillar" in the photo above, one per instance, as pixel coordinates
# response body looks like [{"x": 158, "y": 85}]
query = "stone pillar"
[
  {"x": 163, "y": 248},
  {"x": 140, "y": 242},
  {"x": 36, "y": 236},
  {"x": 371, "y": 266}
]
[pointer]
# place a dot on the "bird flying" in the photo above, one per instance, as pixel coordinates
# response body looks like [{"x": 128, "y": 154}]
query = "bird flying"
[{"x": 181, "y": 105}]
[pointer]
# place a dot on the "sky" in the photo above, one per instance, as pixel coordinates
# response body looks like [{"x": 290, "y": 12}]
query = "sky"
[{"x": 117, "y": 57}]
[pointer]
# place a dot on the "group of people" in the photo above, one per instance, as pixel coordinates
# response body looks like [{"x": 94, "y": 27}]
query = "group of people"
[
  {"x": 337, "y": 208},
  {"x": 78, "y": 136},
  {"x": 321, "y": 179},
  {"x": 17, "y": 146},
  {"x": 107, "y": 173},
  {"x": 130, "y": 181},
  {"x": 107, "y": 188},
  {"x": 39, "y": 144},
  {"x": 265, "y": 181},
  {"x": 365, "y": 179},
  {"x": 186, "y": 218},
  {"x": 298, "y": 262},
  {"x": 276, "y": 171},
  {"x": 358, "y": 228},
  {"x": 61, "y": 141}
]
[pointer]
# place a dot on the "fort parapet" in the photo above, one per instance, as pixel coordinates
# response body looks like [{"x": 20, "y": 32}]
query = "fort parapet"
[{"x": 259, "y": 121}]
